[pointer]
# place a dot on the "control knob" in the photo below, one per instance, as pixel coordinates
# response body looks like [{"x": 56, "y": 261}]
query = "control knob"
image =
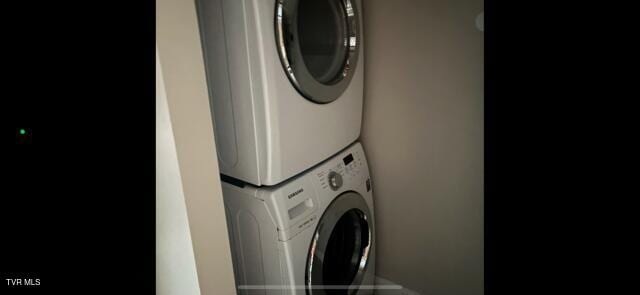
[{"x": 335, "y": 180}]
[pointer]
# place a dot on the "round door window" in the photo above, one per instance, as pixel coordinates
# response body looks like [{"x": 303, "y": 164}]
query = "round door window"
[
  {"x": 340, "y": 248},
  {"x": 322, "y": 28},
  {"x": 318, "y": 45}
]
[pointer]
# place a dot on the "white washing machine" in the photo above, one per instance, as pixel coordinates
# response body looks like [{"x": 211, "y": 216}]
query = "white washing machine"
[
  {"x": 285, "y": 80},
  {"x": 313, "y": 234}
]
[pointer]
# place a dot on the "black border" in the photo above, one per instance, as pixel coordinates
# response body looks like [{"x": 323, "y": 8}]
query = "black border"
[
  {"x": 554, "y": 86},
  {"x": 78, "y": 202}
]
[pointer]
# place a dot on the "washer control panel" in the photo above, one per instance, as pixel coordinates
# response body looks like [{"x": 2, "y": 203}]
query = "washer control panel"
[{"x": 346, "y": 168}]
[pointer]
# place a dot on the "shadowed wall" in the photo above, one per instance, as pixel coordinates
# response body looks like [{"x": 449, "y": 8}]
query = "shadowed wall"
[{"x": 423, "y": 135}]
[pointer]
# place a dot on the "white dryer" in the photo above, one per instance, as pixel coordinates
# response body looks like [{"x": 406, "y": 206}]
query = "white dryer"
[
  {"x": 285, "y": 80},
  {"x": 311, "y": 235}
]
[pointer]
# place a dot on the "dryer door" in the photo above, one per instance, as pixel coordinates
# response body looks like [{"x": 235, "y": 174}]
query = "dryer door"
[
  {"x": 318, "y": 44},
  {"x": 339, "y": 252}
]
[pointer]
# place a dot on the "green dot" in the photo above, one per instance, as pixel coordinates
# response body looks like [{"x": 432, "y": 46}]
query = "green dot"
[{"x": 23, "y": 132}]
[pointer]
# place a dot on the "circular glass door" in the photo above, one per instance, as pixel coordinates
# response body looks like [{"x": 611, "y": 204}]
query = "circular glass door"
[
  {"x": 318, "y": 45},
  {"x": 340, "y": 247}
]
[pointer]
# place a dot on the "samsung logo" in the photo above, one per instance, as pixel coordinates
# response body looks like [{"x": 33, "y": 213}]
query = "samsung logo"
[{"x": 293, "y": 194}]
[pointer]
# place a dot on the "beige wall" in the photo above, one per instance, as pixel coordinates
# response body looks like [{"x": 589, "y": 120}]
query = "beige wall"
[
  {"x": 180, "y": 56},
  {"x": 175, "y": 264},
  {"x": 423, "y": 135}
]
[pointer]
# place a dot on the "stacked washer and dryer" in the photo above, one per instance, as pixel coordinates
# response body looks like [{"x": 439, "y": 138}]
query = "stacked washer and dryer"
[{"x": 286, "y": 88}]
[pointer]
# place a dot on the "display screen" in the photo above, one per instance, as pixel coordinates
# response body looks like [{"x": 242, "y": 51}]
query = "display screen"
[{"x": 348, "y": 159}]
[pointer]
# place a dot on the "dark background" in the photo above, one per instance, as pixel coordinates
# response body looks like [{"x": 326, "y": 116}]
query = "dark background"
[
  {"x": 558, "y": 136},
  {"x": 77, "y": 209}
]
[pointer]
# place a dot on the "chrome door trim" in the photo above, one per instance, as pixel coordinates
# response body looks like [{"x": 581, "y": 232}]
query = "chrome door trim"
[
  {"x": 286, "y": 27},
  {"x": 345, "y": 202}
]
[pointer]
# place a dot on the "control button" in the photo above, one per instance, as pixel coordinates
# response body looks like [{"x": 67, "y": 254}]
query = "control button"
[{"x": 335, "y": 180}]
